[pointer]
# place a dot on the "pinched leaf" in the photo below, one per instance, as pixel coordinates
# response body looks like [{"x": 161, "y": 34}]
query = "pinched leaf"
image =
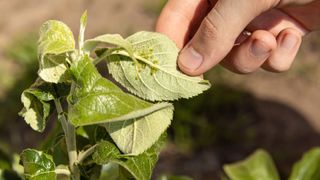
[
  {"x": 37, "y": 165},
  {"x": 155, "y": 77},
  {"x": 140, "y": 167},
  {"x": 112, "y": 39},
  {"x": 133, "y": 124},
  {"x": 36, "y": 102},
  {"x": 308, "y": 168},
  {"x": 257, "y": 166},
  {"x": 55, "y": 43}
]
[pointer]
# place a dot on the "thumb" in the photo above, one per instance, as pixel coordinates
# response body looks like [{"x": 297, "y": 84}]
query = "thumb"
[{"x": 218, "y": 32}]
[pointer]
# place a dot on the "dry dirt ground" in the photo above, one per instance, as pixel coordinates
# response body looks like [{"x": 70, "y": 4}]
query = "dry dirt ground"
[{"x": 297, "y": 89}]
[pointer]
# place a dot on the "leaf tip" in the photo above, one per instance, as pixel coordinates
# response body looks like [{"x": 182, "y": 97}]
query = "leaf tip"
[{"x": 84, "y": 18}]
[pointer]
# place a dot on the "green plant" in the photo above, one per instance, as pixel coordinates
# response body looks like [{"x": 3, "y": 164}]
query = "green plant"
[
  {"x": 103, "y": 131},
  {"x": 260, "y": 166}
]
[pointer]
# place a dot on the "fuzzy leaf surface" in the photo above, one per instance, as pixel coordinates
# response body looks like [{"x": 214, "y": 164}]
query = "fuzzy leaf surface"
[
  {"x": 36, "y": 102},
  {"x": 108, "y": 39},
  {"x": 133, "y": 124},
  {"x": 134, "y": 136},
  {"x": 308, "y": 168},
  {"x": 55, "y": 42},
  {"x": 156, "y": 76},
  {"x": 140, "y": 167},
  {"x": 259, "y": 165},
  {"x": 37, "y": 165}
]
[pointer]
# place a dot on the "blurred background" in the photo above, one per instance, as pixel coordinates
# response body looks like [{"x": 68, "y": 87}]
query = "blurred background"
[{"x": 240, "y": 113}]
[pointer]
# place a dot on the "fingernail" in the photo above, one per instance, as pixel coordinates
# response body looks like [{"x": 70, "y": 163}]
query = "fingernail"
[
  {"x": 260, "y": 49},
  {"x": 190, "y": 58},
  {"x": 289, "y": 41}
]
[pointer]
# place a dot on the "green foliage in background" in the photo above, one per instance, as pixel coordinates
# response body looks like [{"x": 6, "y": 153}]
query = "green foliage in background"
[{"x": 260, "y": 166}]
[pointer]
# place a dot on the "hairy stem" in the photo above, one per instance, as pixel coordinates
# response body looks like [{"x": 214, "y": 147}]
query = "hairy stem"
[
  {"x": 102, "y": 57},
  {"x": 70, "y": 134},
  {"x": 83, "y": 155}
]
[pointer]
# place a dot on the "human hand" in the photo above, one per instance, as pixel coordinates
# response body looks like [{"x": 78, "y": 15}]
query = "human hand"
[{"x": 212, "y": 32}]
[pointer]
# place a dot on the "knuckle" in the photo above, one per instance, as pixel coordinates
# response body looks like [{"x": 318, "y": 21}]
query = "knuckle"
[
  {"x": 209, "y": 30},
  {"x": 266, "y": 4}
]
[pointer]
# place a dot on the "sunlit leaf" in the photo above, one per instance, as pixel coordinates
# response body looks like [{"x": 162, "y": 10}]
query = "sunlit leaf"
[
  {"x": 55, "y": 43},
  {"x": 308, "y": 168},
  {"x": 108, "y": 39},
  {"x": 36, "y": 102},
  {"x": 96, "y": 100},
  {"x": 258, "y": 166},
  {"x": 38, "y": 165},
  {"x": 156, "y": 76}
]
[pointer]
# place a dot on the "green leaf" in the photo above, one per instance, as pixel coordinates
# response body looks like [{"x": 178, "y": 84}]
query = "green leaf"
[
  {"x": 140, "y": 167},
  {"x": 55, "y": 38},
  {"x": 83, "y": 19},
  {"x": 36, "y": 105},
  {"x": 258, "y": 166},
  {"x": 54, "y": 68},
  {"x": 96, "y": 100},
  {"x": 83, "y": 24},
  {"x": 37, "y": 165},
  {"x": 136, "y": 135},
  {"x": 108, "y": 39},
  {"x": 156, "y": 76},
  {"x": 110, "y": 171},
  {"x": 308, "y": 168},
  {"x": 166, "y": 177},
  {"x": 37, "y": 102},
  {"x": 55, "y": 44}
]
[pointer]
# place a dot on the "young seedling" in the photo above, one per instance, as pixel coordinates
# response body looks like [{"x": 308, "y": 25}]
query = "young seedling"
[{"x": 104, "y": 131}]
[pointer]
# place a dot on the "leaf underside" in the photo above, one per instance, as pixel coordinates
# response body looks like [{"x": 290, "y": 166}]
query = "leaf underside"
[
  {"x": 56, "y": 42},
  {"x": 96, "y": 100},
  {"x": 36, "y": 102},
  {"x": 156, "y": 76}
]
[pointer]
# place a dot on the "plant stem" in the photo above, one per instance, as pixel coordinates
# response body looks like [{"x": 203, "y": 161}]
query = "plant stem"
[
  {"x": 83, "y": 155},
  {"x": 62, "y": 171},
  {"x": 102, "y": 57},
  {"x": 70, "y": 134}
]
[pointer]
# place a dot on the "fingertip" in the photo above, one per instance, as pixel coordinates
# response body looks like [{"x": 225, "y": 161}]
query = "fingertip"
[
  {"x": 190, "y": 60},
  {"x": 251, "y": 54},
  {"x": 289, "y": 41}
]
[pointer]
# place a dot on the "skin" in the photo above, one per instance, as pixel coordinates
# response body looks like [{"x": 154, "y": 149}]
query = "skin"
[{"x": 216, "y": 31}]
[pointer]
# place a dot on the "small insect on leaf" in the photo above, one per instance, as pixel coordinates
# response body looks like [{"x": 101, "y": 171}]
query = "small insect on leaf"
[{"x": 156, "y": 78}]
